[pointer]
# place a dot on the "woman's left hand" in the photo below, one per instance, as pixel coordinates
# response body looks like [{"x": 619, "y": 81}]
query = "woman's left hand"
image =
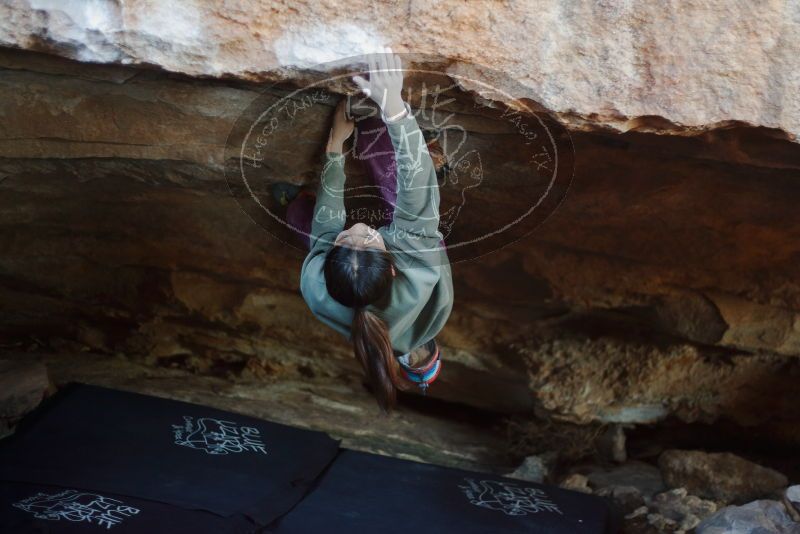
[{"x": 341, "y": 130}]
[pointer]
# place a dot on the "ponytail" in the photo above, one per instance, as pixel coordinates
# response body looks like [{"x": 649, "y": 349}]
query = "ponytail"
[
  {"x": 356, "y": 278},
  {"x": 373, "y": 349}
]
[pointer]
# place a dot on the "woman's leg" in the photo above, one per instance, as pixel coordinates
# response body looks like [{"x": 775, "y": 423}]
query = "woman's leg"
[
  {"x": 299, "y": 214},
  {"x": 375, "y": 150}
]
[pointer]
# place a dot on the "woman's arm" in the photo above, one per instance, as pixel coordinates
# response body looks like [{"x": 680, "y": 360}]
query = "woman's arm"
[
  {"x": 328, "y": 220},
  {"x": 329, "y": 212},
  {"x": 417, "y": 207}
]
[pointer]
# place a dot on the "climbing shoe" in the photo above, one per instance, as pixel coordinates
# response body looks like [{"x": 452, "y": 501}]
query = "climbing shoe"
[{"x": 284, "y": 192}]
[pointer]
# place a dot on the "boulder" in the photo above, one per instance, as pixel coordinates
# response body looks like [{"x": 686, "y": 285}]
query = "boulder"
[
  {"x": 791, "y": 500},
  {"x": 613, "y": 66},
  {"x": 533, "y": 468},
  {"x": 721, "y": 476},
  {"x": 576, "y": 482},
  {"x": 23, "y": 385},
  {"x": 758, "y": 517},
  {"x": 627, "y": 498},
  {"x": 644, "y": 477},
  {"x": 606, "y": 377},
  {"x": 682, "y": 510}
]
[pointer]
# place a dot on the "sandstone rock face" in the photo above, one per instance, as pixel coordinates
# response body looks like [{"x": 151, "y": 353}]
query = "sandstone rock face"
[
  {"x": 721, "y": 476},
  {"x": 626, "y": 66},
  {"x": 605, "y": 377}
]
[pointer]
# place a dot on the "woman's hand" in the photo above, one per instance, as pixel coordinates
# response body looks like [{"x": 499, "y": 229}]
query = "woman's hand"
[
  {"x": 341, "y": 130},
  {"x": 385, "y": 84}
]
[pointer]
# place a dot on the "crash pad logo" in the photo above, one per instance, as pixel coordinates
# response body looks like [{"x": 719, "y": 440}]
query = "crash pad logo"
[
  {"x": 508, "y": 498},
  {"x": 78, "y": 507},
  {"x": 215, "y": 436},
  {"x": 502, "y": 166}
]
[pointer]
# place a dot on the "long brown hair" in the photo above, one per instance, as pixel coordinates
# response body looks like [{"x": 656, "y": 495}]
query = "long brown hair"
[{"x": 356, "y": 278}]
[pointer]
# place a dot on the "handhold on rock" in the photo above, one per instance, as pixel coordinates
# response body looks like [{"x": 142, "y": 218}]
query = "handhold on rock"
[{"x": 360, "y": 106}]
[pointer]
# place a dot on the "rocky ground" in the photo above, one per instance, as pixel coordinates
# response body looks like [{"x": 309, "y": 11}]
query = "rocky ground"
[
  {"x": 345, "y": 410},
  {"x": 676, "y": 491}
]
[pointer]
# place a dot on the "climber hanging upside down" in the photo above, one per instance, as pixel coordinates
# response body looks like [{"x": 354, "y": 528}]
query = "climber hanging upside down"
[{"x": 390, "y": 289}]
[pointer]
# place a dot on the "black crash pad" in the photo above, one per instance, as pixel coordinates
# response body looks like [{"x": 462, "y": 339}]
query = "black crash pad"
[
  {"x": 32, "y": 508},
  {"x": 107, "y": 441},
  {"x": 369, "y": 493}
]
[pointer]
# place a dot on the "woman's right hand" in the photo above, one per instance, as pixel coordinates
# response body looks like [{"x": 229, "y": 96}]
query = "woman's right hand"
[
  {"x": 385, "y": 84},
  {"x": 341, "y": 130}
]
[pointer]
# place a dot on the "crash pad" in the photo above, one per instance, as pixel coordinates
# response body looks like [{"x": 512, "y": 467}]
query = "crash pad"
[{"x": 177, "y": 453}]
